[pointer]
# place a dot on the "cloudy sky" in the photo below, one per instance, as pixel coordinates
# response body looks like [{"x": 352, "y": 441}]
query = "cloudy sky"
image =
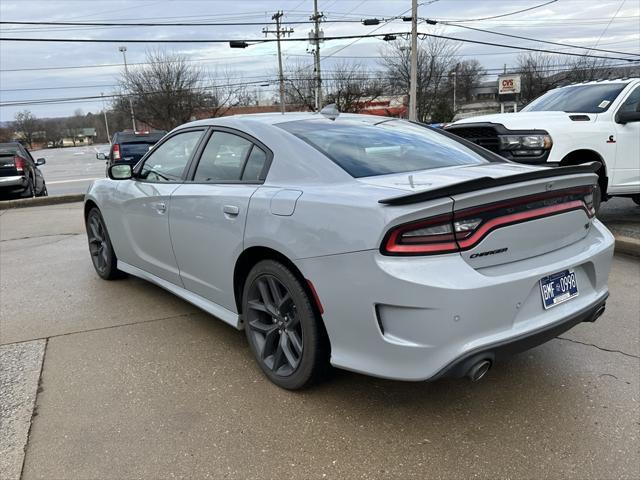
[{"x": 37, "y": 71}]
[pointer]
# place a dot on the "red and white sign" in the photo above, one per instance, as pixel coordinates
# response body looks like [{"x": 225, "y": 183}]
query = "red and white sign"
[{"x": 508, "y": 84}]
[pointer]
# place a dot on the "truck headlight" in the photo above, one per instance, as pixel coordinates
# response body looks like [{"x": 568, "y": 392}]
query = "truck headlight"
[{"x": 525, "y": 142}]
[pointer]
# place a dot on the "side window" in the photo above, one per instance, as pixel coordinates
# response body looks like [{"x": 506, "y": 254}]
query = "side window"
[
  {"x": 632, "y": 103},
  {"x": 255, "y": 164},
  {"x": 223, "y": 158},
  {"x": 168, "y": 162}
]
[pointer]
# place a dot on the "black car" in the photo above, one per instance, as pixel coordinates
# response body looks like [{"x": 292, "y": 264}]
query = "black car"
[
  {"x": 19, "y": 172},
  {"x": 129, "y": 147}
]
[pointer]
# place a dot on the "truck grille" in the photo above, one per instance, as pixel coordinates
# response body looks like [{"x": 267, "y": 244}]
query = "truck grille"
[{"x": 486, "y": 137}]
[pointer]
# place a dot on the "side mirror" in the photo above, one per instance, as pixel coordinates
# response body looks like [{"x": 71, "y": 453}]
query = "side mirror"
[
  {"x": 40, "y": 161},
  {"x": 120, "y": 172},
  {"x": 626, "y": 117},
  {"x": 101, "y": 156}
]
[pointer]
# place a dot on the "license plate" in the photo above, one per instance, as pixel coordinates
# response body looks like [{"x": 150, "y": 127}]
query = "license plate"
[{"x": 558, "y": 288}]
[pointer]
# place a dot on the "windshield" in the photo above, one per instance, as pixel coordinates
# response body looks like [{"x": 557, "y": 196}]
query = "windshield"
[
  {"x": 577, "y": 99},
  {"x": 365, "y": 149}
]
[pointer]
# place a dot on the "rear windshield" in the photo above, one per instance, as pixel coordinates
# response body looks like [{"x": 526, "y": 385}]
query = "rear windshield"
[
  {"x": 8, "y": 149},
  {"x": 395, "y": 146},
  {"x": 136, "y": 150},
  {"x": 131, "y": 137},
  {"x": 577, "y": 99}
]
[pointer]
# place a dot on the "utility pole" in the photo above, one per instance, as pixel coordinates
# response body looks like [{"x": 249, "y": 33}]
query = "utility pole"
[
  {"x": 106, "y": 123},
  {"x": 316, "y": 17},
  {"x": 126, "y": 72},
  {"x": 413, "y": 83},
  {"x": 279, "y": 33},
  {"x": 455, "y": 82}
]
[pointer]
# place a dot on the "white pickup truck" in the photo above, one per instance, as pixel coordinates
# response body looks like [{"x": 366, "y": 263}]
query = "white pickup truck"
[{"x": 571, "y": 125}]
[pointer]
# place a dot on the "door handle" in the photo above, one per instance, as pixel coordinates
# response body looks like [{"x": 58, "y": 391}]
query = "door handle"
[
  {"x": 231, "y": 210},
  {"x": 161, "y": 207}
]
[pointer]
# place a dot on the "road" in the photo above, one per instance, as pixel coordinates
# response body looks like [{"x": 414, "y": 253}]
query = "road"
[
  {"x": 71, "y": 170},
  {"x": 128, "y": 381}
]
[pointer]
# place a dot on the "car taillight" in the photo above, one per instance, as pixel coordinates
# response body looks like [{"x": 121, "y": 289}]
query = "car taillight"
[
  {"x": 116, "y": 152},
  {"x": 464, "y": 229},
  {"x": 433, "y": 235},
  {"x": 592, "y": 200},
  {"x": 19, "y": 163}
]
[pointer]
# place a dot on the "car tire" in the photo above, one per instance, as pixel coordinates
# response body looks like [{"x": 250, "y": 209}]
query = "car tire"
[
  {"x": 103, "y": 256},
  {"x": 29, "y": 191},
  {"x": 636, "y": 199},
  {"x": 284, "y": 331},
  {"x": 44, "y": 192}
]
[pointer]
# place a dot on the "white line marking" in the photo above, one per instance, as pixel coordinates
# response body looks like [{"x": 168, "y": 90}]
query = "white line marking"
[{"x": 71, "y": 181}]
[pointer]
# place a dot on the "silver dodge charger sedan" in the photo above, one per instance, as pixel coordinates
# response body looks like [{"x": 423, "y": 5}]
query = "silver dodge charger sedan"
[{"x": 368, "y": 243}]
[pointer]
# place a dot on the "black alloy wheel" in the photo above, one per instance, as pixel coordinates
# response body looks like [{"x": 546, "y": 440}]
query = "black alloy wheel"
[
  {"x": 285, "y": 334},
  {"x": 102, "y": 254}
]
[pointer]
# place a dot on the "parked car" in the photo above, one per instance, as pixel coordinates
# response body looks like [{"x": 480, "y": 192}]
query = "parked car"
[
  {"x": 369, "y": 243},
  {"x": 19, "y": 172},
  {"x": 593, "y": 121},
  {"x": 129, "y": 146}
]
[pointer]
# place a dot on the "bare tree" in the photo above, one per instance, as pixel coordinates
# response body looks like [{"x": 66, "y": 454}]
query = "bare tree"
[
  {"x": 74, "y": 126},
  {"x": 350, "y": 85},
  {"x": 435, "y": 60},
  {"x": 469, "y": 74},
  {"x": 537, "y": 74},
  {"x": 169, "y": 91},
  {"x": 27, "y": 125},
  {"x": 299, "y": 85}
]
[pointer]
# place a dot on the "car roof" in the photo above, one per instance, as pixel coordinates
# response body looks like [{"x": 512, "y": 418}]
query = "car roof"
[
  {"x": 276, "y": 118},
  {"x": 625, "y": 80}
]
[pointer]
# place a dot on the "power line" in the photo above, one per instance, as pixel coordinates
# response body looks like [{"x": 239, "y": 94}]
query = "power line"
[
  {"x": 568, "y": 45},
  {"x": 507, "y": 14},
  {"x": 167, "y": 24},
  {"x": 529, "y": 49},
  {"x": 298, "y": 39},
  {"x": 184, "y": 40}
]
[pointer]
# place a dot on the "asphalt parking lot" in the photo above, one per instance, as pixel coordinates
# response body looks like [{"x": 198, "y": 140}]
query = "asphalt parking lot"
[
  {"x": 123, "y": 380},
  {"x": 71, "y": 169}
]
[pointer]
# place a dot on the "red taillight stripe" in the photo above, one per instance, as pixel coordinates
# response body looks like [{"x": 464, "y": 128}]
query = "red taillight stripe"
[
  {"x": 394, "y": 245},
  {"x": 506, "y": 220}
]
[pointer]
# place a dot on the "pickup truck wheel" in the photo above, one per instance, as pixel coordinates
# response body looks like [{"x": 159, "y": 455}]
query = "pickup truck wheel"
[{"x": 636, "y": 198}]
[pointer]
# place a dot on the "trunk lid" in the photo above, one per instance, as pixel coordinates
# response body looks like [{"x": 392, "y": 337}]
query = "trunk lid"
[
  {"x": 503, "y": 213},
  {"x": 7, "y": 165}
]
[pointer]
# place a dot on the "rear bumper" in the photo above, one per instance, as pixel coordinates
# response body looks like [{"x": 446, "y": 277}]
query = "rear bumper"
[
  {"x": 421, "y": 318},
  {"x": 13, "y": 183},
  {"x": 501, "y": 350}
]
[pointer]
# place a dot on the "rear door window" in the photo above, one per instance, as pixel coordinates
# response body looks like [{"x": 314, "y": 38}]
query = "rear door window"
[{"x": 223, "y": 158}]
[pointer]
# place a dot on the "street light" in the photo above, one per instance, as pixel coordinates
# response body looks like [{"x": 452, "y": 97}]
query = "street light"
[{"x": 123, "y": 49}]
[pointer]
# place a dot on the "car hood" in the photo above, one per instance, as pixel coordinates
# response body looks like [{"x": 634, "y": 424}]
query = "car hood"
[
  {"x": 441, "y": 177},
  {"x": 526, "y": 120}
]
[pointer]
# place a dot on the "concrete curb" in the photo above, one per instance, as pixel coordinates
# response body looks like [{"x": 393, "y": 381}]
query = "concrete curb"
[
  {"x": 627, "y": 245},
  {"x": 40, "y": 201}
]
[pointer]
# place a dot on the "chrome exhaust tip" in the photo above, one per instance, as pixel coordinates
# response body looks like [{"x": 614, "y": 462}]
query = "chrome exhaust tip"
[
  {"x": 597, "y": 314},
  {"x": 479, "y": 370}
]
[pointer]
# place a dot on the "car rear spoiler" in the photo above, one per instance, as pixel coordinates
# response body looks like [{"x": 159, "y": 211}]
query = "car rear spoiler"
[{"x": 489, "y": 182}]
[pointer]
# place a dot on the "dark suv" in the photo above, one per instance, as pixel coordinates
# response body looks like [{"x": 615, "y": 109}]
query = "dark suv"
[
  {"x": 19, "y": 172},
  {"x": 129, "y": 146}
]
